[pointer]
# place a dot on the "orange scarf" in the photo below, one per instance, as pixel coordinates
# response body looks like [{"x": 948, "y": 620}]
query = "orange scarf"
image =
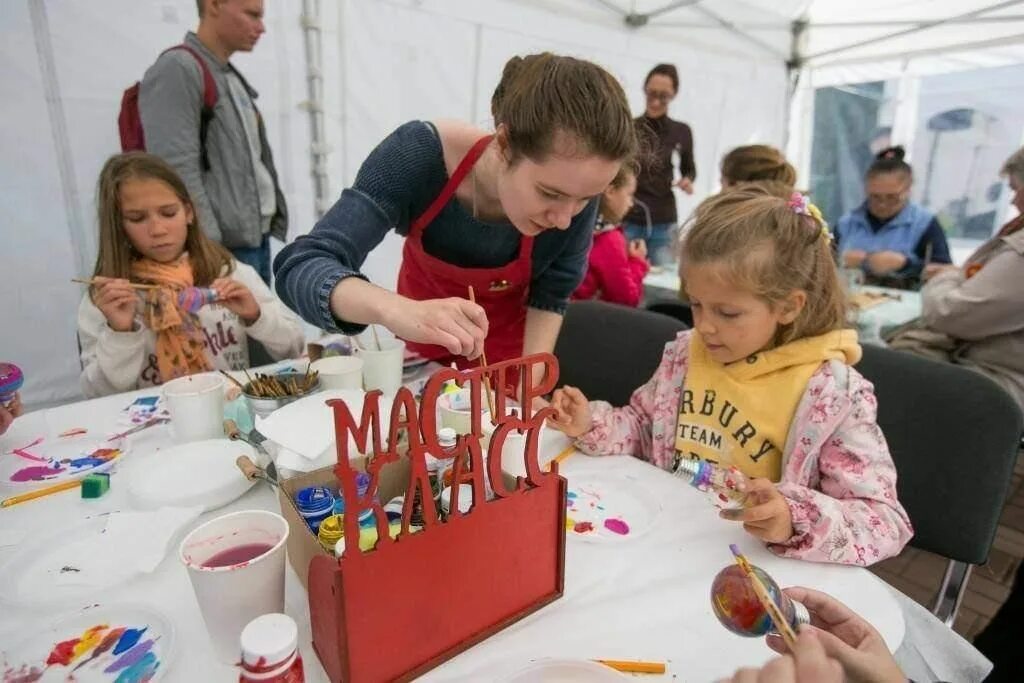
[{"x": 179, "y": 340}]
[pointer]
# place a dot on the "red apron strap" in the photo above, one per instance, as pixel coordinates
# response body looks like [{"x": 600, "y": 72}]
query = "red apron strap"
[{"x": 463, "y": 169}]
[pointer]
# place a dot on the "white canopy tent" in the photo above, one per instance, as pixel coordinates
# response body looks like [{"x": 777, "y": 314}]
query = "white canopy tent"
[{"x": 337, "y": 77}]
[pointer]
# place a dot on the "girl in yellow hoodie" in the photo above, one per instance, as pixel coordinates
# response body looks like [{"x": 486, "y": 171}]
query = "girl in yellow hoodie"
[{"x": 764, "y": 383}]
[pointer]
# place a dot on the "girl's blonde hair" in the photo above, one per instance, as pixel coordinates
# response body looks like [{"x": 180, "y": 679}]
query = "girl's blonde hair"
[
  {"x": 770, "y": 250},
  {"x": 209, "y": 260}
]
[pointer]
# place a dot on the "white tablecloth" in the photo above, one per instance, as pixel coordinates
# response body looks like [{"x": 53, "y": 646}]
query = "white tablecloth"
[{"x": 645, "y": 598}]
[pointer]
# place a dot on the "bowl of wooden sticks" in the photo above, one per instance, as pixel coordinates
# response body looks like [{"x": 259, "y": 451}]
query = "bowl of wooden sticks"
[{"x": 267, "y": 393}]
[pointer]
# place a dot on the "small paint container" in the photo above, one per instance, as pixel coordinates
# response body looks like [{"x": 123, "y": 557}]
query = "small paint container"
[
  {"x": 315, "y": 503},
  {"x": 393, "y": 509},
  {"x": 362, "y": 486},
  {"x": 465, "y": 498},
  {"x": 332, "y": 528}
]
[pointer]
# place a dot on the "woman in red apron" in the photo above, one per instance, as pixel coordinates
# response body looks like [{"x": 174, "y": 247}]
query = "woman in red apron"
[{"x": 510, "y": 214}]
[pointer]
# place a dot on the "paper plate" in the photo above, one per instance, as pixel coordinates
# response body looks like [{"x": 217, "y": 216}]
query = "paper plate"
[
  {"x": 200, "y": 473},
  {"x": 101, "y": 643},
  {"x": 51, "y": 460},
  {"x": 565, "y": 671},
  {"x": 36, "y": 574},
  {"x": 306, "y": 426},
  {"x": 607, "y": 509}
]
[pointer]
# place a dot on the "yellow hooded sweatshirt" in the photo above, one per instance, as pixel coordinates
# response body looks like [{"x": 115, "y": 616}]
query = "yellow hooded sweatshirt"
[{"x": 739, "y": 414}]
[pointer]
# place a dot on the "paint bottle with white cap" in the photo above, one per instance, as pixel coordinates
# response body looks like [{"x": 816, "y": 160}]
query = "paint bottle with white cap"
[{"x": 270, "y": 651}]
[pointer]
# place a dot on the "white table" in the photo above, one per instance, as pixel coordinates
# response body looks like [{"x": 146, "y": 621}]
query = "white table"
[
  {"x": 643, "y": 598},
  {"x": 874, "y": 323}
]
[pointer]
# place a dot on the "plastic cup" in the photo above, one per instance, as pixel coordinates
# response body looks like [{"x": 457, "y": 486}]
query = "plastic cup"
[
  {"x": 340, "y": 372},
  {"x": 383, "y": 369},
  {"x": 196, "y": 405},
  {"x": 231, "y": 596},
  {"x": 454, "y": 410}
]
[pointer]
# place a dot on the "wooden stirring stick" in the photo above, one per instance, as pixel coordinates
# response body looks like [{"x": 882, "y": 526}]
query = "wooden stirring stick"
[
  {"x": 134, "y": 285},
  {"x": 483, "y": 363}
]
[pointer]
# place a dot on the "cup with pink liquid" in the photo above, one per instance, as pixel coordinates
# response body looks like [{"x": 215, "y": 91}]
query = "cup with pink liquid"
[{"x": 236, "y": 563}]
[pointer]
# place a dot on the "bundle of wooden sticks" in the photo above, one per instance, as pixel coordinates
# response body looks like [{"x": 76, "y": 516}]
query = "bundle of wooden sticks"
[{"x": 279, "y": 386}]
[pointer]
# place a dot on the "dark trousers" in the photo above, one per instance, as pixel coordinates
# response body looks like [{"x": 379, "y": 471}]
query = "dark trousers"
[
  {"x": 1001, "y": 641},
  {"x": 257, "y": 257}
]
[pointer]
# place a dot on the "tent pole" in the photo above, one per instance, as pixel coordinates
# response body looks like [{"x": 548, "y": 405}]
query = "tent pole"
[{"x": 315, "y": 105}]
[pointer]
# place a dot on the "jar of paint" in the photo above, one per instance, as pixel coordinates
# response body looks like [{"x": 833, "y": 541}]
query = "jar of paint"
[
  {"x": 368, "y": 537},
  {"x": 393, "y": 509},
  {"x": 11, "y": 379},
  {"x": 270, "y": 651},
  {"x": 362, "y": 486},
  {"x": 315, "y": 503},
  {"x": 735, "y": 603},
  {"x": 465, "y": 499},
  {"x": 331, "y": 529}
]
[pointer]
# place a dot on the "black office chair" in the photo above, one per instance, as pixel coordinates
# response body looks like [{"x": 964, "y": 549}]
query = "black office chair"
[
  {"x": 954, "y": 436},
  {"x": 675, "y": 309},
  {"x": 608, "y": 350}
]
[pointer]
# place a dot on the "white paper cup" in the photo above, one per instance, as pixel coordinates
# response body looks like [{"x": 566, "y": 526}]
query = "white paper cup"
[
  {"x": 232, "y": 596},
  {"x": 460, "y": 419},
  {"x": 383, "y": 369},
  {"x": 513, "y": 450},
  {"x": 196, "y": 405},
  {"x": 465, "y": 498},
  {"x": 340, "y": 372}
]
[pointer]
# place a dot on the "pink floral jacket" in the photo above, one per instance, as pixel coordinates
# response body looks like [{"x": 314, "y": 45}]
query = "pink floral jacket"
[{"x": 837, "y": 474}]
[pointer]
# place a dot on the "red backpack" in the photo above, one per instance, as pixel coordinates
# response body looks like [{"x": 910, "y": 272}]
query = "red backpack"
[{"x": 129, "y": 123}]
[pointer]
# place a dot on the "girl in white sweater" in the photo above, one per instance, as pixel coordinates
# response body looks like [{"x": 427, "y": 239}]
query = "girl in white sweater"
[{"x": 197, "y": 306}]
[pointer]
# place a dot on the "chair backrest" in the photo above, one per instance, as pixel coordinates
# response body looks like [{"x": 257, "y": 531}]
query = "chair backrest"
[
  {"x": 954, "y": 435},
  {"x": 675, "y": 309},
  {"x": 608, "y": 350}
]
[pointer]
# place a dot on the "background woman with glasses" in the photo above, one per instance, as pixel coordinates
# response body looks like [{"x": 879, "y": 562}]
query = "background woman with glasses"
[
  {"x": 893, "y": 240},
  {"x": 653, "y": 218}
]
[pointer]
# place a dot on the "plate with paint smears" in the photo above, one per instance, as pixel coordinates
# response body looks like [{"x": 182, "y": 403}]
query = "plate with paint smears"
[
  {"x": 51, "y": 460},
  {"x": 103, "y": 643},
  {"x": 564, "y": 671},
  {"x": 604, "y": 508}
]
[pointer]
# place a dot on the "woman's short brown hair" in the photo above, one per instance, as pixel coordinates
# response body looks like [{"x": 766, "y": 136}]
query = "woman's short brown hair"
[{"x": 757, "y": 162}]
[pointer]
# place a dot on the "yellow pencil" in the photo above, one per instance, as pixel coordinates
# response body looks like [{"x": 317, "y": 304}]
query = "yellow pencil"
[
  {"x": 39, "y": 493},
  {"x": 565, "y": 453},
  {"x": 634, "y": 667}
]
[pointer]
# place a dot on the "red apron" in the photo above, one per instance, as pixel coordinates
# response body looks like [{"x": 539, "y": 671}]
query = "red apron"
[{"x": 500, "y": 291}]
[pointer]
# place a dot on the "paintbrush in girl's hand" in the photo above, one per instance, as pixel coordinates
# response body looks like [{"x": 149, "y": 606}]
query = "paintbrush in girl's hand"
[{"x": 134, "y": 285}]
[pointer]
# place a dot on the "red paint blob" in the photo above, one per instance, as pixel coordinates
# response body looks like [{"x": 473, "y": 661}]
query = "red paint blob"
[
  {"x": 63, "y": 652},
  {"x": 238, "y": 555},
  {"x": 583, "y": 527}
]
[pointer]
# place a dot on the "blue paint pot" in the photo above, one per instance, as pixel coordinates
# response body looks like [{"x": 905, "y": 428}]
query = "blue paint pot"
[{"x": 315, "y": 504}]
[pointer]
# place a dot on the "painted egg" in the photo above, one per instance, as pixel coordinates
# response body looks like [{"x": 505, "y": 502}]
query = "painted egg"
[
  {"x": 11, "y": 378},
  {"x": 736, "y": 605}
]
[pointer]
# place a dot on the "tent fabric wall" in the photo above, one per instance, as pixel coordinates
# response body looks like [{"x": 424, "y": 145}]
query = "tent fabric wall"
[{"x": 388, "y": 61}]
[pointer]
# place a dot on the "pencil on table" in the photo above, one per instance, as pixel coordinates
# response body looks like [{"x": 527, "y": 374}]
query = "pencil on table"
[
  {"x": 39, "y": 493},
  {"x": 634, "y": 667},
  {"x": 562, "y": 455},
  {"x": 483, "y": 363}
]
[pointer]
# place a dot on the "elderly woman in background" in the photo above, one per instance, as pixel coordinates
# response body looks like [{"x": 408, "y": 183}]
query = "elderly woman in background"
[{"x": 974, "y": 316}]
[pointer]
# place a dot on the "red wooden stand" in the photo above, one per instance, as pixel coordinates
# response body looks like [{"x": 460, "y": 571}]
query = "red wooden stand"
[{"x": 415, "y": 601}]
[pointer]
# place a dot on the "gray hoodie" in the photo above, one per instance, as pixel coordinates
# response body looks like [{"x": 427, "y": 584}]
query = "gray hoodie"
[
  {"x": 225, "y": 196},
  {"x": 984, "y": 314}
]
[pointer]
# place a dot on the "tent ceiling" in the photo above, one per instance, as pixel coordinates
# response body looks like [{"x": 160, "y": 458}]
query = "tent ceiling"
[{"x": 838, "y": 32}]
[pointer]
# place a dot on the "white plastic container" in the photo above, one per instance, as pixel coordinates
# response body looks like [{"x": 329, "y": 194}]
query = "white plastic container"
[
  {"x": 270, "y": 648},
  {"x": 340, "y": 372},
  {"x": 196, "y": 405},
  {"x": 383, "y": 369},
  {"x": 231, "y": 596}
]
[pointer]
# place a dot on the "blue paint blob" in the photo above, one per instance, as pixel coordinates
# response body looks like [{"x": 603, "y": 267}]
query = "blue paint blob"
[
  {"x": 128, "y": 640},
  {"x": 87, "y": 461},
  {"x": 141, "y": 671}
]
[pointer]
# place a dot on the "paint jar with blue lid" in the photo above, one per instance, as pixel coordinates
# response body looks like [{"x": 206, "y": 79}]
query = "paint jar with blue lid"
[
  {"x": 362, "y": 486},
  {"x": 393, "y": 509},
  {"x": 315, "y": 504}
]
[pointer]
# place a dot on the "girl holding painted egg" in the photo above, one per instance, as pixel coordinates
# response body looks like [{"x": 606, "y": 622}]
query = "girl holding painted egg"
[
  {"x": 147, "y": 318},
  {"x": 764, "y": 383}
]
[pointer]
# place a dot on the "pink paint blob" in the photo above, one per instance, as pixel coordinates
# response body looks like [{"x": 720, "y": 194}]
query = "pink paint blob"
[
  {"x": 616, "y": 526},
  {"x": 238, "y": 555},
  {"x": 583, "y": 527},
  {"x": 36, "y": 473}
]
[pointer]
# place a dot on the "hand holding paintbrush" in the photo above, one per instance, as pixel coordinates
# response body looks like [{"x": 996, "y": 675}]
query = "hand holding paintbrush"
[{"x": 483, "y": 363}]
